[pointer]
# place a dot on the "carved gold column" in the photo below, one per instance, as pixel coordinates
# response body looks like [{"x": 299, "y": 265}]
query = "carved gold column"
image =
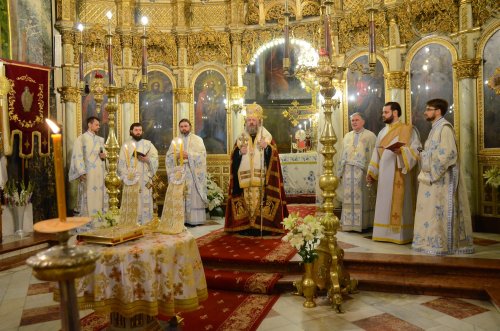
[
  {"x": 112, "y": 149},
  {"x": 329, "y": 268}
]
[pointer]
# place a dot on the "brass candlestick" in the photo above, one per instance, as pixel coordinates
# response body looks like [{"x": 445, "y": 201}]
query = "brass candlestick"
[
  {"x": 112, "y": 149},
  {"x": 329, "y": 268},
  {"x": 63, "y": 263}
]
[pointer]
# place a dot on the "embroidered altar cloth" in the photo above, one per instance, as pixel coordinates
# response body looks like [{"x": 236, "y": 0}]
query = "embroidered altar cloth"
[{"x": 157, "y": 274}]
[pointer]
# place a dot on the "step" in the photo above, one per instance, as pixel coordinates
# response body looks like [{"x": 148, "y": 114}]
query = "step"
[
  {"x": 14, "y": 251},
  {"x": 366, "y": 262}
]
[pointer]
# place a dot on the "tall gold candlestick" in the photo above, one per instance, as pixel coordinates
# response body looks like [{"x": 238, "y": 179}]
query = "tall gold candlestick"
[{"x": 59, "y": 170}]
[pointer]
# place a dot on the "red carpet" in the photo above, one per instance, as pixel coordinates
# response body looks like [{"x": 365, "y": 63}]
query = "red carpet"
[
  {"x": 302, "y": 209},
  {"x": 220, "y": 246},
  {"x": 94, "y": 322},
  {"x": 228, "y": 311},
  {"x": 234, "y": 280}
]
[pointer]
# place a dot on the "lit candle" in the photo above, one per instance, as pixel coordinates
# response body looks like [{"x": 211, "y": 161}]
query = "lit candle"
[
  {"x": 109, "y": 15},
  {"x": 181, "y": 156},
  {"x": 310, "y": 122},
  {"x": 59, "y": 170},
  {"x": 305, "y": 125},
  {"x": 174, "y": 150}
]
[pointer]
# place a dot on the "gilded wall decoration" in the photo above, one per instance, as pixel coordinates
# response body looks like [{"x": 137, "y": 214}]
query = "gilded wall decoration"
[
  {"x": 275, "y": 13},
  {"x": 95, "y": 12},
  {"x": 353, "y": 30},
  {"x": 467, "y": 68},
  {"x": 433, "y": 16},
  {"x": 252, "y": 12},
  {"x": 159, "y": 16},
  {"x": 212, "y": 14},
  {"x": 253, "y": 39},
  {"x": 307, "y": 31},
  {"x": 95, "y": 46},
  {"x": 310, "y": 9},
  {"x": 483, "y": 10},
  {"x": 162, "y": 48},
  {"x": 209, "y": 45}
]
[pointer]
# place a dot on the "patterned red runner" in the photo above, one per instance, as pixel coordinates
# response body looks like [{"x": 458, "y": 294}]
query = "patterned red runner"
[
  {"x": 220, "y": 246},
  {"x": 234, "y": 280},
  {"x": 228, "y": 311}
]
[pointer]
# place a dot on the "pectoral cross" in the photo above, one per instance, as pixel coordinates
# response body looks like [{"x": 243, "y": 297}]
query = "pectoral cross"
[{"x": 156, "y": 184}]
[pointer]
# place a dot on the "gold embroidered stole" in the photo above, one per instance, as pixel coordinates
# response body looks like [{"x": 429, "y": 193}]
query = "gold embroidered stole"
[{"x": 403, "y": 133}]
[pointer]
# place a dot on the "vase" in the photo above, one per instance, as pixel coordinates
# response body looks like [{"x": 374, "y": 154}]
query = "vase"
[
  {"x": 308, "y": 286},
  {"x": 18, "y": 217}
]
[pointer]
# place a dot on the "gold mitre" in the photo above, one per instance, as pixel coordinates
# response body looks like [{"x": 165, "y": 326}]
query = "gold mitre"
[{"x": 255, "y": 111}]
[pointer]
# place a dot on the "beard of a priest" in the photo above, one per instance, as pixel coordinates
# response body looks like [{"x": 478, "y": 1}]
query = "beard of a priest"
[{"x": 256, "y": 198}]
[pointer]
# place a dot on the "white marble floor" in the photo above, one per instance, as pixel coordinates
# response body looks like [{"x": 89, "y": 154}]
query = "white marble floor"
[{"x": 20, "y": 295}]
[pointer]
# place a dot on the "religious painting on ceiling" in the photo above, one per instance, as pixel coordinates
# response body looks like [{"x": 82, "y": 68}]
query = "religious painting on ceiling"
[
  {"x": 4, "y": 30},
  {"x": 156, "y": 111},
  {"x": 31, "y": 31},
  {"x": 268, "y": 83},
  {"x": 366, "y": 95},
  {"x": 491, "y": 98},
  {"x": 431, "y": 76},
  {"x": 210, "y": 103},
  {"x": 92, "y": 106}
]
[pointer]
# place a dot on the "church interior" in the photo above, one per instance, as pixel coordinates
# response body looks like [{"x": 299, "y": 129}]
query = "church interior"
[{"x": 310, "y": 65}]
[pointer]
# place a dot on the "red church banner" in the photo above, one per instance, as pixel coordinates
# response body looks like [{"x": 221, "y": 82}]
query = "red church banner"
[{"x": 28, "y": 105}]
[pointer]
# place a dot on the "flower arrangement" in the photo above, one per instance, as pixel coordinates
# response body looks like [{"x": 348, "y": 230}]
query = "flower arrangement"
[
  {"x": 17, "y": 193},
  {"x": 492, "y": 176},
  {"x": 304, "y": 234},
  {"x": 215, "y": 195},
  {"x": 104, "y": 220}
]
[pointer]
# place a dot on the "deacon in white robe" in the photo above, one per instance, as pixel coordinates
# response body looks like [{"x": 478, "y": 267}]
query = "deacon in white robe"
[
  {"x": 88, "y": 167},
  {"x": 137, "y": 164},
  {"x": 442, "y": 219},
  {"x": 357, "y": 149},
  {"x": 194, "y": 165},
  {"x": 394, "y": 165}
]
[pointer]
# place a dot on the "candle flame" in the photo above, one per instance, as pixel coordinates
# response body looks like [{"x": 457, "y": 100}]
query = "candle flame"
[
  {"x": 80, "y": 27},
  {"x": 109, "y": 14},
  {"x": 53, "y": 126},
  {"x": 144, "y": 20}
]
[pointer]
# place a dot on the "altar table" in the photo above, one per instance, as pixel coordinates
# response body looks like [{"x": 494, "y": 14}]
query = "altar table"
[
  {"x": 299, "y": 172},
  {"x": 156, "y": 274}
]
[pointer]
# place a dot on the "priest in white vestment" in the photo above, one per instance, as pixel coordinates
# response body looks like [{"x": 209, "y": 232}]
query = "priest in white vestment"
[
  {"x": 137, "y": 164},
  {"x": 194, "y": 165},
  {"x": 394, "y": 165},
  {"x": 442, "y": 219},
  {"x": 88, "y": 167},
  {"x": 357, "y": 149}
]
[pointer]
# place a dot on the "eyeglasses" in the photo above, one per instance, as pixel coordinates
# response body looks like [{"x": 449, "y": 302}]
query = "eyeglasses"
[{"x": 429, "y": 109}]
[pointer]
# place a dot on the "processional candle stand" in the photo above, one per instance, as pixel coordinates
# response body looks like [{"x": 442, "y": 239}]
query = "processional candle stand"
[
  {"x": 63, "y": 263},
  {"x": 329, "y": 270}
]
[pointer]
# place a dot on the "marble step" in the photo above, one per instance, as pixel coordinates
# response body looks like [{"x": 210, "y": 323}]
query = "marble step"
[{"x": 15, "y": 251}]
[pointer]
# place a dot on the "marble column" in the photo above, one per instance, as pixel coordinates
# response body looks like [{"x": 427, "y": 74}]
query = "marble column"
[{"x": 467, "y": 72}]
